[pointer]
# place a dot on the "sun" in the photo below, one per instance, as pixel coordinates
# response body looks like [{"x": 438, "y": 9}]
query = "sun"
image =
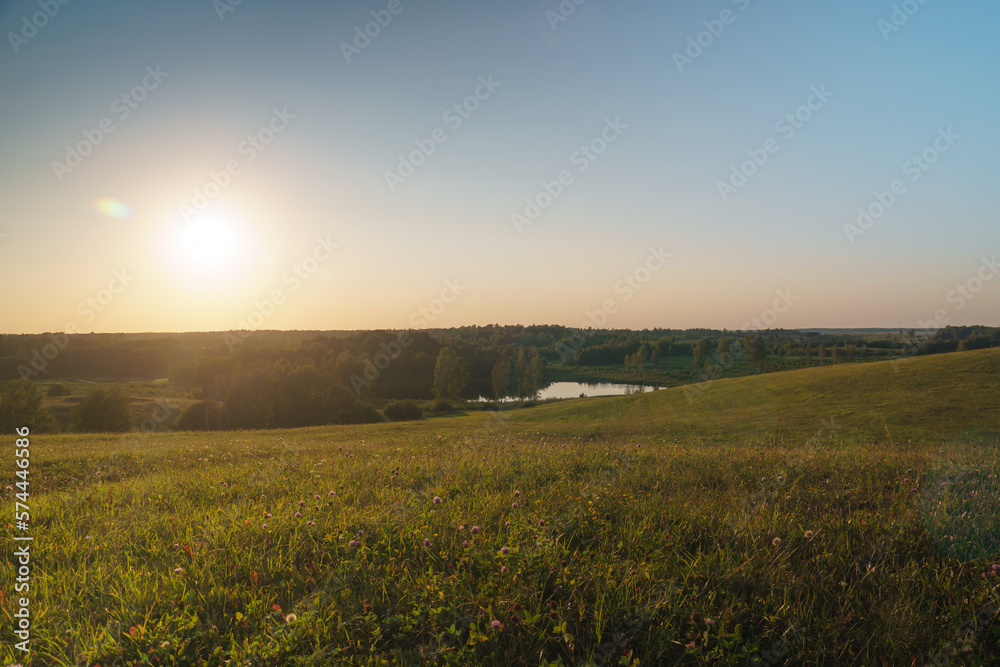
[
  {"x": 208, "y": 242},
  {"x": 210, "y": 249}
]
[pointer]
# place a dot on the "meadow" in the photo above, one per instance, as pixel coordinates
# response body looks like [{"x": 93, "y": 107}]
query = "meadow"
[{"x": 842, "y": 515}]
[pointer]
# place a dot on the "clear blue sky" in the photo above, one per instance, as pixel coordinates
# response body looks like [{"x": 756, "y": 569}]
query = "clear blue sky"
[{"x": 885, "y": 96}]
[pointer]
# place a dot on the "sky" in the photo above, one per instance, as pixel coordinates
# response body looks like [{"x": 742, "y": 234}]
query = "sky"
[{"x": 204, "y": 166}]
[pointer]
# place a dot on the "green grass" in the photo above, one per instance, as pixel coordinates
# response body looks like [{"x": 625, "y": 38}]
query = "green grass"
[{"x": 644, "y": 533}]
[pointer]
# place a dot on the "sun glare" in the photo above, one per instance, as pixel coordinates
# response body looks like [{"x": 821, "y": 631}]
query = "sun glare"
[
  {"x": 208, "y": 242},
  {"x": 210, "y": 248}
]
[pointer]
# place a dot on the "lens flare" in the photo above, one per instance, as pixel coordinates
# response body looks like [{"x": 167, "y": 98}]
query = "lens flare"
[{"x": 113, "y": 208}]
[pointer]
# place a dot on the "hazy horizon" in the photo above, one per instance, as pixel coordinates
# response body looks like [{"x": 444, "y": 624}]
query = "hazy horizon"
[{"x": 179, "y": 169}]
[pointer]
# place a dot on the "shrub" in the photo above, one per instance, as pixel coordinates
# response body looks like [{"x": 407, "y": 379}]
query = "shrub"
[
  {"x": 21, "y": 405},
  {"x": 57, "y": 389},
  {"x": 442, "y": 405},
  {"x": 104, "y": 410},
  {"x": 399, "y": 411},
  {"x": 204, "y": 416},
  {"x": 358, "y": 413}
]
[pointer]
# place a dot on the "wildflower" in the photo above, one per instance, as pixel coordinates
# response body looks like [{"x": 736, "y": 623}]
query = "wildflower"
[
  {"x": 517, "y": 493},
  {"x": 176, "y": 546},
  {"x": 505, "y": 551},
  {"x": 906, "y": 480},
  {"x": 996, "y": 567},
  {"x": 437, "y": 500},
  {"x": 475, "y": 530},
  {"x": 264, "y": 526},
  {"x": 709, "y": 621},
  {"x": 506, "y": 523},
  {"x": 689, "y": 645},
  {"x": 503, "y": 570},
  {"x": 776, "y": 541},
  {"x": 914, "y": 489},
  {"x": 177, "y": 570},
  {"x": 465, "y": 544},
  {"x": 352, "y": 544},
  {"x": 225, "y": 484},
  {"x": 541, "y": 522},
  {"x": 311, "y": 523},
  {"x": 809, "y": 534},
  {"x": 513, "y": 506},
  {"x": 291, "y": 618},
  {"x": 496, "y": 625},
  {"x": 316, "y": 496},
  {"x": 427, "y": 542},
  {"x": 301, "y": 503},
  {"x": 298, "y": 515},
  {"x": 462, "y": 527},
  {"x": 331, "y": 493}
]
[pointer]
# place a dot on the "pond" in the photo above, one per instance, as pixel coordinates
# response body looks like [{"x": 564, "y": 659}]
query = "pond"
[{"x": 574, "y": 389}]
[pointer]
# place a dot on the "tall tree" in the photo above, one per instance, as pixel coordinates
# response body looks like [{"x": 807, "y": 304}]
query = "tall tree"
[
  {"x": 501, "y": 377},
  {"x": 450, "y": 374},
  {"x": 533, "y": 376},
  {"x": 754, "y": 346},
  {"x": 699, "y": 350}
]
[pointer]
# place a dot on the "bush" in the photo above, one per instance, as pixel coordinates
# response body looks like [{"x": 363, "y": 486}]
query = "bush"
[
  {"x": 399, "y": 411},
  {"x": 21, "y": 405},
  {"x": 56, "y": 390},
  {"x": 104, "y": 410},
  {"x": 204, "y": 416},
  {"x": 442, "y": 405},
  {"x": 358, "y": 413}
]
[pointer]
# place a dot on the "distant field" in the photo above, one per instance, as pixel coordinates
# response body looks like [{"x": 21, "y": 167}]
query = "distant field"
[{"x": 838, "y": 515}]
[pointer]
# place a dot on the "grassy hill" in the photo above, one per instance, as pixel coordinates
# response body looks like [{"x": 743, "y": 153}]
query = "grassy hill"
[
  {"x": 738, "y": 527},
  {"x": 932, "y": 398}
]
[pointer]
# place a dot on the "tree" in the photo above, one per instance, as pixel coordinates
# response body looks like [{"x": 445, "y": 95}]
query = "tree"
[
  {"x": 205, "y": 415},
  {"x": 699, "y": 350},
  {"x": 104, "y": 410},
  {"x": 821, "y": 354},
  {"x": 754, "y": 346},
  {"x": 835, "y": 353},
  {"x": 533, "y": 376},
  {"x": 501, "y": 377},
  {"x": 450, "y": 374},
  {"x": 809, "y": 353},
  {"x": 851, "y": 348},
  {"x": 20, "y": 406}
]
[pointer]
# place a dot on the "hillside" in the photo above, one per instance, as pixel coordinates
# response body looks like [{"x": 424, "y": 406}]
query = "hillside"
[{"x": 933, "y": 397}]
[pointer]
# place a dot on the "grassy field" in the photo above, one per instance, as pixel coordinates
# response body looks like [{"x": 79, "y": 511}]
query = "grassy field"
[{"x": 844, "y": 515}]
